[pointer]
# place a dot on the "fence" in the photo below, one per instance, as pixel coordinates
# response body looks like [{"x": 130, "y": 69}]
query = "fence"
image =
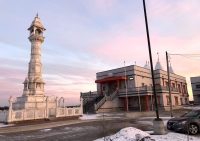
[
  {"x": 42, "y": 113},
  {"x": 3, "y": 116}
]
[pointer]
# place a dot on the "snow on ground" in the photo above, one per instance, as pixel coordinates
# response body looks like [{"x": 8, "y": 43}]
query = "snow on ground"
[
  {"x": 174, "y": 137},
  {"x": 150, "y": 122},
  {"x": 99, "y": 116},
  {"x": 4, "y": 125},
  {"x": 45, "y": 130},
  {"x": 126, "y": 134},
  {"x": 192, "y": 107},
  {"x": 129, "y": 134}
]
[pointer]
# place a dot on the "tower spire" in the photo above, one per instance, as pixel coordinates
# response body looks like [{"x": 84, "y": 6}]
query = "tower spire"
[{"x": 158, "y": 56}]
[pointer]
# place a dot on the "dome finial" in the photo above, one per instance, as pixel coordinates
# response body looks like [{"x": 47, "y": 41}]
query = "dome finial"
[
  {"x": 37, "y": 15},
  {"x": 158, "y": 56}
]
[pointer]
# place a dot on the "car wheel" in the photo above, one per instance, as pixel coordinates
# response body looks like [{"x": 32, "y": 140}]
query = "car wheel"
[
  {"x": 193, "y": 129},
  {"x": 168, "y": 127}
]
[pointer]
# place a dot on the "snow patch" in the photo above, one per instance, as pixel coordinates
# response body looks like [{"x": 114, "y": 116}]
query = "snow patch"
[
  {"x": 45, "y": 130},
  {"x": 126, "y": 134},
  {"x": 98, "y": 116},
  {"x": 130, "y": 133},
  {"x": 174, "y": 137},
  {"x": 4, "y": 125},
  {"x": 192, "y": 107}
]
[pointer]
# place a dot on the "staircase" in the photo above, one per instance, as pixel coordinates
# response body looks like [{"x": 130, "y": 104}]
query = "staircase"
[{"x": 89, "y": 106}]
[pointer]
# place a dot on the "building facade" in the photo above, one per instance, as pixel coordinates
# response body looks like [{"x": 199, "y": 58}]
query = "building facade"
[
  {"x": 195, "y": 83},
  {"x": 130, "y": 88}
]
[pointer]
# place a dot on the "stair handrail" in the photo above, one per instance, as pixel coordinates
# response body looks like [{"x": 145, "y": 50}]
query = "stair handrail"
[
  {"x": 113, "y": 95},
  {"x": 100, "y": 103}
]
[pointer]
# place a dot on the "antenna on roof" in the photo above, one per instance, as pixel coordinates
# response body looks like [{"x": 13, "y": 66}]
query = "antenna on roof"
[
  {"x": 158, "y": 56},
  {"x": 135, "y": 62}
]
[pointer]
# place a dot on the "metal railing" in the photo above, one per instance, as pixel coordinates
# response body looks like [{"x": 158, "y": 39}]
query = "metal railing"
[
  {"x": 100, "y": 103},
  {"x": 145, "y": 89}
]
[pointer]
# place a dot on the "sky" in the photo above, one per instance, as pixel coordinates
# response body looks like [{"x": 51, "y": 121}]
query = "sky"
[{"x": 84, "y": 37}]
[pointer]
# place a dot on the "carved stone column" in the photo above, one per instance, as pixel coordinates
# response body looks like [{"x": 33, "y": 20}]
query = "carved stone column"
[
  {"x": 10, "y": 110},
  {"x": 47, "y": 107},
  {"x": 81, "y": 107},
  {"x": 56, "y": 107}
]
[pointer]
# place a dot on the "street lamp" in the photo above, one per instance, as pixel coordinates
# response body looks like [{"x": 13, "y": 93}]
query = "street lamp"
[{"x": 157, "y": 123}]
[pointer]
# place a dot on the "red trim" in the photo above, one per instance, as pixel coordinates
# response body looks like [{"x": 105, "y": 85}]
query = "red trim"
[
  {"x": 147, "y": 104},
  {"x": 108, "y": 79}
]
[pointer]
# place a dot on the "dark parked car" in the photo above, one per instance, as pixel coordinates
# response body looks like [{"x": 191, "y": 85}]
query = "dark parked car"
[{"x": 187, "y": 121}]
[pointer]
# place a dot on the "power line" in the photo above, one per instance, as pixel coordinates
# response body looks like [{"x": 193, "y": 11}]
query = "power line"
[{"x": 189, "y": 56}]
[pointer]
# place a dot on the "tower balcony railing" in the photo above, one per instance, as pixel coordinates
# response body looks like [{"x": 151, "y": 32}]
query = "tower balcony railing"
[{"x": 146, "y": 90}]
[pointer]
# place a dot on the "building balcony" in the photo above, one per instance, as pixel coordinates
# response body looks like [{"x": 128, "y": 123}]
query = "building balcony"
[{"x": 147, "y": 90}]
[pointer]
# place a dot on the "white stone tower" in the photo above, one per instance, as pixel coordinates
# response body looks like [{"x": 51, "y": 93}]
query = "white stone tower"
[
  {"x": 33, "y": 94},
  {"x": 34, "y": 83}
]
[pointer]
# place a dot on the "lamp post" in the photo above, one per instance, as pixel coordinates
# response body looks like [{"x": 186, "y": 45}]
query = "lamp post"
[{"x": 158, "y": 124}]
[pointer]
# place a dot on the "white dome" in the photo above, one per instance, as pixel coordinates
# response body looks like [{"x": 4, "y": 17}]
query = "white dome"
[
  {"x": 171, "y": 70},
  {"x": 146, "y": 66},
  {"x": 158, "y": 66}
]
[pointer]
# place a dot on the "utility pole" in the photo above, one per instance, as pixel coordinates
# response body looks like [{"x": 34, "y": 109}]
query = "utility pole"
[
  {"x": 169, "y": 85},
  {"x": 158, "y": 124},
  {"x": 151, "y": 62}
]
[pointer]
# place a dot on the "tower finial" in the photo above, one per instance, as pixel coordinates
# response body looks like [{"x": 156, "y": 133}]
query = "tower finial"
[
  {"x": 37, "y": 15},
  {"x": 158, "y": 56}
]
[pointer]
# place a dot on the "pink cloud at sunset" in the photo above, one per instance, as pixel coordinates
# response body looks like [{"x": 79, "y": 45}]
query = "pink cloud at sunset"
[{"x": 86, "y": 37}]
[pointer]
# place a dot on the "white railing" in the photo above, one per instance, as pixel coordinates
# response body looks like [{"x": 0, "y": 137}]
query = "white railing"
[
  {"x": 147, "y": 88},
  {"x": 100, "y": 103},
  {"x": 65, "y": 112},
  {"x": 22, "y": 115}
]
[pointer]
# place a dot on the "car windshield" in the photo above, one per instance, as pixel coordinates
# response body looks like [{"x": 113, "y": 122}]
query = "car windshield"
[{"x": 192, "y": 114}]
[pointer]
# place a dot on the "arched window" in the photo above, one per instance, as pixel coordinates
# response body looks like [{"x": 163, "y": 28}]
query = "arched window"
[{"x": 38, "y": 32}]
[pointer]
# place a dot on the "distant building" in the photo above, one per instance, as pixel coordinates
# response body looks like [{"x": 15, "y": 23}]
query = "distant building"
[
  {"x": 195, "y": 82},
  {"x": 111, "y": 90}
]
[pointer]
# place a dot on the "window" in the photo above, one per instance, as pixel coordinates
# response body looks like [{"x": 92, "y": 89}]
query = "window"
[
  {"x": 181, "y": 101},
  {"x": 176, "y": 100},
  {"x": 197, "y": 86},
  {"x": 179, "y": 88},
  {"x": 104, "y": 88},
  {"x": 166, "y": 83},
  {"x": 186, "y": 101},
  {"x": 173, "y": 85},
  {"x": 131, "y": 78},
  {"x": 142, "y": 84},
  {"x": 184, "y": 89},
  {"x": 167, "y": 100}
]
